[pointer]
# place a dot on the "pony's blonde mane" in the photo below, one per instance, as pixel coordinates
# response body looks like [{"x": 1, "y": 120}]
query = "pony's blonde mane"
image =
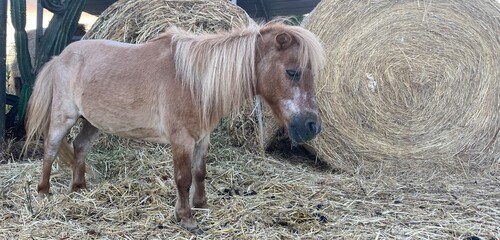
[
  {"x": 311, "y": 54},
  {"x": 219, "y": 69}
]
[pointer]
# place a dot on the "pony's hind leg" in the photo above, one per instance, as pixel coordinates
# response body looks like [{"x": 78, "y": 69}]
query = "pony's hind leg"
[
  {"x": 60, "y": 124},
  {"x": 81, "y": 146},
  {"x": 198, "y": 197}
]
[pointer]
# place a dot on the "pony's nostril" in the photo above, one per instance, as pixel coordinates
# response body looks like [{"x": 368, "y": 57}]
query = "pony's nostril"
[{"x": 312, "y": 126}]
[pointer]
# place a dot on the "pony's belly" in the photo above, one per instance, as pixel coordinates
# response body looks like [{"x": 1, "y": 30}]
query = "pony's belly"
[
  {"x": 130, "y": 129},
  {"x": 129, "y": 118},
  {"x": 147, "y": 134}
]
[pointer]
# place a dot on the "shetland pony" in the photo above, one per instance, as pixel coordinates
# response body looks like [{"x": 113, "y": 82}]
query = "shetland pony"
[{"x": 173, "y": 90}]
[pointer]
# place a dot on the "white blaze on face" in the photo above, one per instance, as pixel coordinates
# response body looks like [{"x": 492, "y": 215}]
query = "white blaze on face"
[{"x": 291, "y": 106}]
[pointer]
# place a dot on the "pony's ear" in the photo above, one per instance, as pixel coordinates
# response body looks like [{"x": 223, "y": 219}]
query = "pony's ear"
[{"x": 283, "y": 41}]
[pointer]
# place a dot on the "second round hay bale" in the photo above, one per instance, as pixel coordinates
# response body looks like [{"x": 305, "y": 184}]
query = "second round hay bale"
[{"x": 409, "y": 80}]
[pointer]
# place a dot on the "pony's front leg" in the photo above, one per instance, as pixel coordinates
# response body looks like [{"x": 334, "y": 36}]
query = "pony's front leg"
[
  {"x": 199, "y": 172},
  {"x": 182, "y": 151}
]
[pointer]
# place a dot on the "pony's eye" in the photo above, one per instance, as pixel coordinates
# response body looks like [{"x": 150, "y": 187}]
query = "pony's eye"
[{"x": 294, "y": 75}]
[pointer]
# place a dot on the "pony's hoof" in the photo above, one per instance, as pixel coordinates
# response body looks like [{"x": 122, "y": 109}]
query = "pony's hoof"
[
  {"x": 42, "y": 195},
  {"x": 77, "y": 188},
  {"x": 202, "y": 205},
  {"x": 191, "y": 225}
]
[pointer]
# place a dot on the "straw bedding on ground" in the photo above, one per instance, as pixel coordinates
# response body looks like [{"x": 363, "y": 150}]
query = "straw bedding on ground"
[
  {"x": 251, "y": 196},
  {"x": 409, "y": 80}
]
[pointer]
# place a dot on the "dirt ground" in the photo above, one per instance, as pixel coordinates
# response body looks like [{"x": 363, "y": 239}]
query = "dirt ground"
[{"x": 251, "y": 196}]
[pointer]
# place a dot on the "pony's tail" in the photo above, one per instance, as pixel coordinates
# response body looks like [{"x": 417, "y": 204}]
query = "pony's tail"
[{"x": 39, "y": 111}]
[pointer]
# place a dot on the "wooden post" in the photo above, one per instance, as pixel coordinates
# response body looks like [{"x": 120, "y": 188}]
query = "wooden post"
[{"x": 3, "y": 70}]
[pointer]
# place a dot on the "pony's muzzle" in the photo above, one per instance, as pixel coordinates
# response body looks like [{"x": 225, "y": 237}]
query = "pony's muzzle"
[{"x": 304, "y": 127}]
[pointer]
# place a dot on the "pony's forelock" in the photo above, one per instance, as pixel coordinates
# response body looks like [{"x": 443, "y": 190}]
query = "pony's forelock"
[{"x": 311, "y": 52}]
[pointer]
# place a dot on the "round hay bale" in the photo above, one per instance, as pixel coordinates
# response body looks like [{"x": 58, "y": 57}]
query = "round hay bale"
[
  {"x": 409, "y": 80},
  {"x": 137, "y": 21}
]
